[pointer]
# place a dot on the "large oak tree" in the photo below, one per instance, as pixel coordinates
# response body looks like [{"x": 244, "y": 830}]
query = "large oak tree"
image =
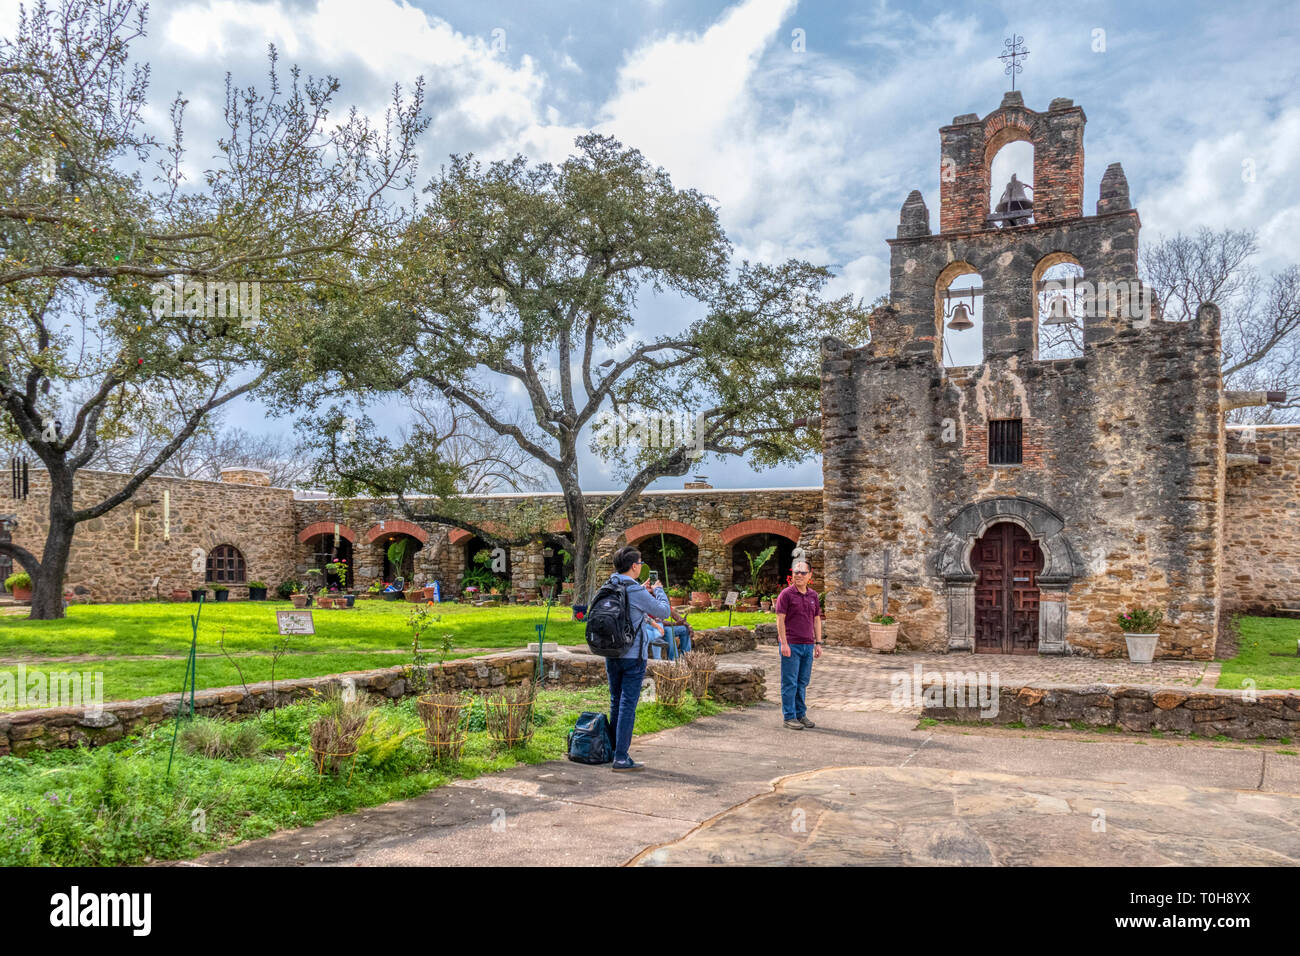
[
  {"x": 522, "y": 286},
  {"x": 95, "y": 209}
]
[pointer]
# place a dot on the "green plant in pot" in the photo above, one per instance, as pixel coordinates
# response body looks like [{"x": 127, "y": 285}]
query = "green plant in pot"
[
  {"x": 221, "y": 592},
  {"x": 1141, "y": 632},
  {"x": 257, "y": 590},
  {"x": 20, "y": 586},
  {"x": 702, "y": 586},
  {"x": 285, "y": 589}
]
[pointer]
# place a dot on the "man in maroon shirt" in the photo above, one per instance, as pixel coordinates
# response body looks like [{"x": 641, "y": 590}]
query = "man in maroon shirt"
[{"x": 799, "y": 632}]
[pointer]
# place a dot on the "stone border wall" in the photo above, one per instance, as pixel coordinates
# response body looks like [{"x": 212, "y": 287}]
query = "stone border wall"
[
  {"x": 1208, "y": 713},
  {"x": 53, "y": 727}
]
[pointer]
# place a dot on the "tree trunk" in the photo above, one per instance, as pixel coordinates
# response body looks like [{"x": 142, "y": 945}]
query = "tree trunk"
[{"x": 47, "y": 582}]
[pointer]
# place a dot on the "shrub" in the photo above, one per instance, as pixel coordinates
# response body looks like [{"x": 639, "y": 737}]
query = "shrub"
[
  {"x": 1140, "y": 620},
  {"x": 884, "y": 619},
  {"x": 20, "y": 580},
  {"x": 335, "y": 732},
  {"x": 703, "y": 581},
  {"x": 258, "y": 584},
  {"x": 222, "y": 739},
  {"x": 285, "y": 588}
]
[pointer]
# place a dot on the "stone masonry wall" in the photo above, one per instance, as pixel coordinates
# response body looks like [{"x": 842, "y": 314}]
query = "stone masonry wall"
[
  {"x": 109, "y": 563},
  {"x": 1127, "y": 451},
  {"x": 1261, "y": 530},
  {"x": 1271, "y": 715}
]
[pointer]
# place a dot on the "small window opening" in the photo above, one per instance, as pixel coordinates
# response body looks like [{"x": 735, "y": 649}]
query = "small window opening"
[{"x": 1005, "y": 442}]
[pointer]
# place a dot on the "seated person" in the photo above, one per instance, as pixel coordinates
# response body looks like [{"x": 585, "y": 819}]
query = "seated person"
[{"x": 677, "y": 634}]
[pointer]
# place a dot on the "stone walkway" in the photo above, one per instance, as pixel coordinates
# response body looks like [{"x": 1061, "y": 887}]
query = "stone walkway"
[{"x": 849, "y": 679}]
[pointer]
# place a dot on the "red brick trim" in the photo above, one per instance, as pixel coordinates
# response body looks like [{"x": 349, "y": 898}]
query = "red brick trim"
[
  {"x": 743, "y": 529},
  {"x": 458, "y": 535},
  {"x": 639, "y": 532},
  {"x": 397, "y": 526},
  {"x": 559, "y": 525},
  {"x": 325, "y": 527}
]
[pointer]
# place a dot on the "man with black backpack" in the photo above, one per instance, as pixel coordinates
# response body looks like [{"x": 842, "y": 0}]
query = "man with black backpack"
[{"x": 615, "y": 631}]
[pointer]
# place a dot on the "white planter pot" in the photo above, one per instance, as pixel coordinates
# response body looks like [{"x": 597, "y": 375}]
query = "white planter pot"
[{"x": 1141, "y": 647}]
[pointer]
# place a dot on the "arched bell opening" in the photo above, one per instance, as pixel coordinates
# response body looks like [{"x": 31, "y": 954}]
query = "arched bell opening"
[
  {"x": 1059, "y": 305},
  {"x": 1011, "y": 179},
  {"x": 959, "y": 315}
]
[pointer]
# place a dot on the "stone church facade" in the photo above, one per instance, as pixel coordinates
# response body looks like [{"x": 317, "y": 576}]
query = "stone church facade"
[{"x": 1026, "y": 502}]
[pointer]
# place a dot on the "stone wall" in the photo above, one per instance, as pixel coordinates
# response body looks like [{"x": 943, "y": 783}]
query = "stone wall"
[
  {"x": 1272, "y": 715},
  {"x": 116, "y": 557},
  {"x": 1261, "y": 530},
  {"x": 1127, "y": 466},
  {"x": 51, "y": 728}
]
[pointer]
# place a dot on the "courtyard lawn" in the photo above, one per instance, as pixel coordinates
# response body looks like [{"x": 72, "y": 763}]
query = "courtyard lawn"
[
  {"x": 1261, "y": 638},
  {"x": 142, "y": 648},
  {"x": 98, "y": 808}
]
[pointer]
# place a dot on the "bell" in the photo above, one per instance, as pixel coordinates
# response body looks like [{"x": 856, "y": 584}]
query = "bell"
[
  {"x": 961, "y": 318},
  {"x": 1059, "y": 312}
]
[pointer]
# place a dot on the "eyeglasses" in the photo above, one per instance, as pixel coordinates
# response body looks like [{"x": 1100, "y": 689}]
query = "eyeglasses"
[{"x": 801, "y": 572}]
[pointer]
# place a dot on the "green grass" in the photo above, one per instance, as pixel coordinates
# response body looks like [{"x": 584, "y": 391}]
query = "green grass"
[
  {"x": 115, "y": 806},
  {"x": 356, "y": 639},
  {"x": 1260, "y": 637}
]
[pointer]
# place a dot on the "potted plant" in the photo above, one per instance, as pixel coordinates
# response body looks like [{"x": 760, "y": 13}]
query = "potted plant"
[
  {"x": 470, "y": 592},
  {"x": 702, "y": 586},
  {"x": 257, "y": 590},
  {"x": 222, "y": 593},
  {"x": 286, "y": 588},
  {"x": 883, "y": 629},
  {"x": 766, "y": 603},
  {"x": 20, "y": 586},
  {"x": 1140, "y": 632},
  {"x": 198, "y": 594},
  {"x": 676, "y": 596},
  {"x": 180, "y": 594}
]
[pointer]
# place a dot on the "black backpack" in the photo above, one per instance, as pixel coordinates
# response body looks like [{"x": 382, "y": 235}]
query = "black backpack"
[
  {"x": 590, "y": 740},
  {"x": 609, "y": 621}
]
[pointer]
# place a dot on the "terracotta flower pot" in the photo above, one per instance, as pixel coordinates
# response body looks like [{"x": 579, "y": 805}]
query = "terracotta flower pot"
[
  {"x": 700, "y": 597},
  {"x": 766, "y": 605},
  {"x": 299, "y": 600},
  {"x": 717, "y": 604},
  {"x": 676, "y": 601},
  {"x": 884, "y": 637},
  {"x": 180, "y": 594},
  {"x": 22, "y": 594}
]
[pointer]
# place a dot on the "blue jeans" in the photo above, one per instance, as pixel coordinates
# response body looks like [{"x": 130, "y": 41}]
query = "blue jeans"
[
  {"x": 671, "y": 631},
  {"x": 795, "y": 672},
  {"x": 625, "y": 676}
]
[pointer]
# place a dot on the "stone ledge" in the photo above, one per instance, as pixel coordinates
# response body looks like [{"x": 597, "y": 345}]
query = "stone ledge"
[
  {"x": 54, "y": 727},
  {"x": 1272, "y": 714}
]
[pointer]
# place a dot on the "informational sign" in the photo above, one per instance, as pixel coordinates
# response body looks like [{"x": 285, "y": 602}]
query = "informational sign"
[
  {"x": 732, "y": 598},
  {"x": 295, "y": 622}
]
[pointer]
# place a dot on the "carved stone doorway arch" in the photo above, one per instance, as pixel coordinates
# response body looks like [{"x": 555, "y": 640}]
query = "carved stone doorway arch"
[{"x": 1061, "y": 566}]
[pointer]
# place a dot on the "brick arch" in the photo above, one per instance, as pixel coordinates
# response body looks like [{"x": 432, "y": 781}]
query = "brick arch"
[
  {"x": 639, "y": 532},
  {"x": 743, "y": 529},
  {"x": 326, "y": 527},
  {"x": 559, "y": 526},
  {"x": 458, "y": 535},
  {"x": 397, "y": 526}
]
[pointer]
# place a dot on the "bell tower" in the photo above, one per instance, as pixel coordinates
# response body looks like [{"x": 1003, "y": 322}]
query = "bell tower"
[{"x": 1008, "y": 248}]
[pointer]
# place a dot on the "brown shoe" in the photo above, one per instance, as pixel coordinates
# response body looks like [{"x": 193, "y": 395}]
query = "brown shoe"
[
  {"x": 793, "y": 725},
  {"x": 806, "y": 722}
]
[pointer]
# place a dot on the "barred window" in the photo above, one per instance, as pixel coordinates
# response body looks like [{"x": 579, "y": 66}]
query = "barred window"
[
  {"x": 225, "y": 565},
  {"x": 1005, "y": 442}
]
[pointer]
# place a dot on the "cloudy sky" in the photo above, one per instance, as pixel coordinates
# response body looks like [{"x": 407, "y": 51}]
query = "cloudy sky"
[{"x": 809, "y": 123}]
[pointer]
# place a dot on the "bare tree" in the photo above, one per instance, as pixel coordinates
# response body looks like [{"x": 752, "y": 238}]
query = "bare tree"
[{"x": 1261, "y": 317}]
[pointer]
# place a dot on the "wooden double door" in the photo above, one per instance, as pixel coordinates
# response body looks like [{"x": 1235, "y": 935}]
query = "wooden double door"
[{"x": 1007, "y": 562}]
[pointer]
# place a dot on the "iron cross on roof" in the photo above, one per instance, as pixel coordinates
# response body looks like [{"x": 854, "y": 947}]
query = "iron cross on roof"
[{"x": 1013, "y": 50}]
